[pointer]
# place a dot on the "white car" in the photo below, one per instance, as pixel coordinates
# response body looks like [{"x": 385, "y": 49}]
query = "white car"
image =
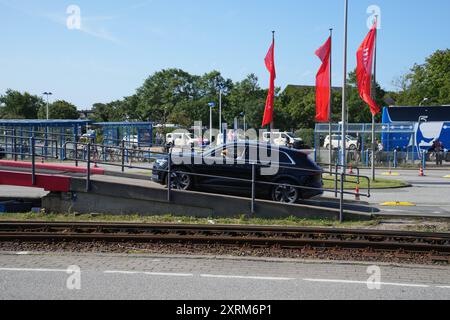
[
  {"x": 180, "y": 139},
  {"x": 351, "y": 142},
  {"x": 132, "y": 140},
  {"x": 285, "y": 139}
]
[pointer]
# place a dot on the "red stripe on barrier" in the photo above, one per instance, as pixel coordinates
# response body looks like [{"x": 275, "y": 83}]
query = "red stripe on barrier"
[
  {"x": 47, "y": 182},
  {"x": 51, "y": 167}
]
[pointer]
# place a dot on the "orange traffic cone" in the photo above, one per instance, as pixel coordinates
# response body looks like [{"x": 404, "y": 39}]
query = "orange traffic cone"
[
  {"x": 357, "y": 195},
  {"x": 421, "y": 173}
]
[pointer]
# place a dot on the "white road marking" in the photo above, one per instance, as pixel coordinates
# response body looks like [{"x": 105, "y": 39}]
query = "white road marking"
[
  {"x": 443, "y": 287},
  {"x": 22, "y": 253},
  {"x": 156, "y": 274},
  {"x": 365, "y": 283},
  {"x": 245, "y": 277},
  {"x": 31, "y": 270}
]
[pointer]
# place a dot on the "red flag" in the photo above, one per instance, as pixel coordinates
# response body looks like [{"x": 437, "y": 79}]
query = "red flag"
[
  {"x": 365, "y": 56},
  {"x": 323, "y": 80},
  {"x": 270, "y": 65}
]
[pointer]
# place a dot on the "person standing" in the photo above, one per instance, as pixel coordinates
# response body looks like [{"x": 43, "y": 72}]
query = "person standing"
[
  {"x": 380, "y": 150},
  {"x": 438, "y": 149}
]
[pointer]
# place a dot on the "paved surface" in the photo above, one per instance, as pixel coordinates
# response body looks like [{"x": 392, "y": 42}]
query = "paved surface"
[
  {"x": 430, "y": 194},
  {"x": 165, "y": 278}
]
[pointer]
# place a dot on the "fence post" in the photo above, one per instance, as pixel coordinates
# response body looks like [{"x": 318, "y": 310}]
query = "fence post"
[
  {"x": 123, "y": 155},
  {"x": 395, "y": 159},
  {"x": 75, "y": 152},
  {"x": 341, "y": 203},
  {"x": 14, "y": 145},
  {"x": 336, "y": 181},
  {"x": 424, "y": 159},
  {"x": 33, "y": 161},
  {"x": 253, "y": 187},
  {"x": 88, "y": 180},
  {"x": 169, "y": 178}
]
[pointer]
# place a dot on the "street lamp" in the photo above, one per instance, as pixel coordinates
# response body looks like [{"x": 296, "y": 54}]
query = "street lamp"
[
  {"x": 243, "y": 115},
  {"x": 423, "y": 101},
  {"x": 211, "y": 105},
  {"x": 47, "y": 94}
]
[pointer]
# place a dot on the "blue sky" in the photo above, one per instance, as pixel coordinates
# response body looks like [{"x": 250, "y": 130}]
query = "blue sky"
[{"x": 122, "y": 42}]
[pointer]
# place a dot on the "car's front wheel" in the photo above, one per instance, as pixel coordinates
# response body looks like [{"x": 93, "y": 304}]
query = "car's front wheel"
[
  {"x": 285, "y": 192},
  {"x": 180, "y": 180}
]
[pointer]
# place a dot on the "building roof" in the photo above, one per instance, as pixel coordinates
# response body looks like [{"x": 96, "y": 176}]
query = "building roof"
[
  {"x": 413, "y": 114},
  {"x": 123, "y": 124},
  {"x": 293, "y": 87},
  {"x": 43, "y": 123}
]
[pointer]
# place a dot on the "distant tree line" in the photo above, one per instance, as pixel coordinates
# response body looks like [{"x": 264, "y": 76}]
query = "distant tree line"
[{"x": 176, "y": 96}]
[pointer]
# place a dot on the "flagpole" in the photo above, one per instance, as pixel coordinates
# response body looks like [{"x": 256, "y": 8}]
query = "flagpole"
[
  {"x": 330, "y": 116},
  {"x": 374, "y": 89},
  {"x": 344, "y": 93},
  {"x": 272, "y": 124},
  {"x": 220, "y": 111}
]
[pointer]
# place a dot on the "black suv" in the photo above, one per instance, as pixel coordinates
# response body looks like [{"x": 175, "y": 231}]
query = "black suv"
[{"x": 209, "y": 171}]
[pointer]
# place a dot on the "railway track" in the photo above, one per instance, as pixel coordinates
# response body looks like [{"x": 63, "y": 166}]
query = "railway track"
[{"x": 281, "y": 237}]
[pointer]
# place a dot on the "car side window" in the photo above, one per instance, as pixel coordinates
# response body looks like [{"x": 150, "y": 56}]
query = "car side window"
[{"x": 285, "y": 159}]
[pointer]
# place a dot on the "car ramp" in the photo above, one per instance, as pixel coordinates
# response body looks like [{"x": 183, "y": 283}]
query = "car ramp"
[{"x": 126, "y": 196}]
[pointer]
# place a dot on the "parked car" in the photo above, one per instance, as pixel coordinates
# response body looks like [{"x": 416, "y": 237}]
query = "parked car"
[
  {"x": 185, "y": 140},
  {"x": 2, "y": 153},
  {"x": 131, "y": 141},
  {"x": 180, "y": 139},
  {"x": 296, "y": 169},
  {"x": 351, "y": 142},
  {"x": 285, "y": 139}
]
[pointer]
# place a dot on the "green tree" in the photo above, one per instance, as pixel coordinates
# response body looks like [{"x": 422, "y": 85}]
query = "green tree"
[
  {"x": 430, "y": 81},
  {"x": 19, "y": 105},
  {"x": 60, "y": 110},
  {"x": 163, "y": 91},
  {"x": 246, "y": 96}
]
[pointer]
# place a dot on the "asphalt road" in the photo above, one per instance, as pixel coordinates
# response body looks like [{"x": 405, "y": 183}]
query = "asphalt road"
[
  {"x": 45, "y": 276},
  {"x": 429, "y": 194}
]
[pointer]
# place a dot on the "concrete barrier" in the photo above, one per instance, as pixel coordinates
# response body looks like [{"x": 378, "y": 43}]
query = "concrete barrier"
[{"x": 108, "y": 197}]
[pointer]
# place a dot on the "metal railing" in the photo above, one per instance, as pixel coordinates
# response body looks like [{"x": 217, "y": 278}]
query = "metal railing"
[{"x": 90, "y": 156}]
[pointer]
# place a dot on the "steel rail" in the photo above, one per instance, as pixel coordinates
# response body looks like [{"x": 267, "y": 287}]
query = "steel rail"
[{"x": 227, "y": 235}]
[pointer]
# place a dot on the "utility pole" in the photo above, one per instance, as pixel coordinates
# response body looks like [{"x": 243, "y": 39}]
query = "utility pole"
[
  {"x": 220, "y": 110},
  {"x": 344, "y": 93}
]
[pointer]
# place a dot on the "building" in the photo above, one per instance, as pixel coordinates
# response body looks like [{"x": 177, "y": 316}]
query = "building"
[{"x": 415, "y": 128}]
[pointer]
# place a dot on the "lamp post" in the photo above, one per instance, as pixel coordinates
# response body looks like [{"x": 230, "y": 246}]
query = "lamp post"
[
  {"x": 423, "y": 101},
  {"x": 220, "y": 110},
  {"x": 243, "y": 115},
  {"x": 47, "y": 94}
]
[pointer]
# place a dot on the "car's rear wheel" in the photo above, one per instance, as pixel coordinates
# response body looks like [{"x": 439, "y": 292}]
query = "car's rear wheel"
[
  {"x": 180, "y": 180},
  {"x": 285, "y": 193}
]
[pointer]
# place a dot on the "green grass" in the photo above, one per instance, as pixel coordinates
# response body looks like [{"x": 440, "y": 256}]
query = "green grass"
[
  {"x": 242, "y": 220},
  {"x": 350, "y": 183}
]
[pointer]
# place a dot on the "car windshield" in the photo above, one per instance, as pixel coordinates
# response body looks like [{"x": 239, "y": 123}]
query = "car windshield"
[{"x": 292, "y": 135}]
